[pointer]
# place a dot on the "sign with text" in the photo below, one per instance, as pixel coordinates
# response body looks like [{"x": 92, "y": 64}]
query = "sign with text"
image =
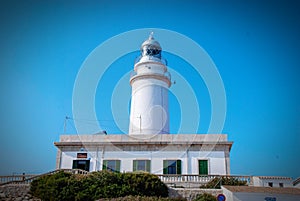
[{"x": 81, "y": 155}]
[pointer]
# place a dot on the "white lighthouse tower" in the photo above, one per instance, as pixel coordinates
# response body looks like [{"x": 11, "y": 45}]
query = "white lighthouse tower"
[{"x": 150, "y": 81}]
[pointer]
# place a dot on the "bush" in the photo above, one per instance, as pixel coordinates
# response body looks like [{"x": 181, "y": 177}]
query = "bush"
[
  {"x": 104, "y": 184},
  {"x": 53, "y": 187},
  {"x": 205, "y": 197},
  {"x": 217, "y": 182}
]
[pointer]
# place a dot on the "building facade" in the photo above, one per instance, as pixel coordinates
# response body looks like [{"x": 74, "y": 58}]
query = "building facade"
[
  {"x": 148, "y": 146},
  {"x": 159, "y": 154}
]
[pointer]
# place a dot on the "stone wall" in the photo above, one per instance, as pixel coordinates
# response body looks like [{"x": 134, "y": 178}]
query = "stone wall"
[
  {"x": 20, "y": 192},
  {"x": 191, "y": 193},
  {"x": 16, "y": 192}
]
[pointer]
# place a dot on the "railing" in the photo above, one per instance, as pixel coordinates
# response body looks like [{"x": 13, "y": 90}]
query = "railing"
[
  {"x": 12, "y": 178},
  {"x": 166, "y": 74},
  {"x": 198, "y": 179},
  {"x": 188, "y": 180},
  {"x": 27, "y": 179},
  {"x": 151, "y": 58}
]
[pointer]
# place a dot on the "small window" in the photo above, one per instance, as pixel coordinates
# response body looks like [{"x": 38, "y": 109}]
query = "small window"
[
  {"x": 281, "y": 185},
  {"x": 172, "y": 167},
  {"x": 141, "y": 165},
  {"x": 270, "y": 184},
  {"x": 111, "y": 165}
]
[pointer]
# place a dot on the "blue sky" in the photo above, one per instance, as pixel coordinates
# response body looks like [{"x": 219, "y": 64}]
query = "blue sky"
[{"x": 254, "y": 44}]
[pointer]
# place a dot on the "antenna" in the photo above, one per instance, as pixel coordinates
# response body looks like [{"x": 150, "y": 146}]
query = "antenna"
[
  {"x": 151, "y": 35},
  {"x": 140, "y": 117},
  {"x": 65, "y": 123}
]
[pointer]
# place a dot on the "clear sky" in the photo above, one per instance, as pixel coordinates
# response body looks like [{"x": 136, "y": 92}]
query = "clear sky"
[{"x": 254, "y": 44}]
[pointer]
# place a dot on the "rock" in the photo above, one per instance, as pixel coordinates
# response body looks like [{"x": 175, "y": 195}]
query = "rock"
[{"x": 2, "y": 195}]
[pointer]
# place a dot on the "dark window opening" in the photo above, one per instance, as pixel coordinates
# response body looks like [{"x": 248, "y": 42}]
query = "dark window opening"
[
  {"x": 111, "y": 165},
  {"x": 81, "y": 164},
  {"x": 141, "y": 165},
  {"x": 172, "y": 167}
]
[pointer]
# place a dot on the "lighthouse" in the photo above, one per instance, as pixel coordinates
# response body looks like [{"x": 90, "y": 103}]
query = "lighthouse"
[
  {"x": 150, "y": 80},
  {"x": 149, "y": 146}
]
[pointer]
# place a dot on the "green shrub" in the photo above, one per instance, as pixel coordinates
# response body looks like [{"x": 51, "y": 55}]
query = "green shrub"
[
  {"x": 205, "y": 197},
  {"x": 217, "y": 182},
  {"x": 103, "y": 184},
  {"x": 59, "y": 186}
]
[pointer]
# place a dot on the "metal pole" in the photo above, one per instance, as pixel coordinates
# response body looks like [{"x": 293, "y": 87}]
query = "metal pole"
[{"x": 140, "y": 124}]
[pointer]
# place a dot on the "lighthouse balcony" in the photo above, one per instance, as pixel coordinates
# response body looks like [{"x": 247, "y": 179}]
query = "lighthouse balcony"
[
  {"x": 166, "y": 75},
  {"x": 149, "y": 58}
]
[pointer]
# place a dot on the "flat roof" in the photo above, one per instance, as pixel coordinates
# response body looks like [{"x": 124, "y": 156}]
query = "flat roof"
[
  {"x": 274, "y": 177},
  {"x": 256, "y": 189},
  {"x": 186, "y": 138}
]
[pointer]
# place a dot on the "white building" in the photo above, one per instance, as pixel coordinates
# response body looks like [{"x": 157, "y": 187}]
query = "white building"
[
  {"x": 252, "y": 193},
  {"x": 148, "y": 146},
  {"x": 272, "y": 181}
]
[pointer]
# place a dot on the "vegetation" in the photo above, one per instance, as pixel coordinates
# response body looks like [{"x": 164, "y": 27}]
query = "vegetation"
[
  {"x": 205, "y": 197},
  {"x": 104, "y": 184},
  {"x": 217, "y": 182}
]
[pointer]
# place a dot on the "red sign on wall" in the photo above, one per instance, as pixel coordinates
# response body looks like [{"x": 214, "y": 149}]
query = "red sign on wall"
[{"x": 81, "y": 155}]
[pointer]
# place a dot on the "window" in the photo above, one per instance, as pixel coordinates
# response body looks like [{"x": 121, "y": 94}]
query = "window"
[
  {"x": 270, "y": 184},
  {"x": 111, "y": 165},
  {"x": 81, "y": 164},
  {"x": 141, "y": 165},
  {"x": 203, "y": 167},
  {"x": 281, "y": 185},
  {"x": 172, "y": 167}
]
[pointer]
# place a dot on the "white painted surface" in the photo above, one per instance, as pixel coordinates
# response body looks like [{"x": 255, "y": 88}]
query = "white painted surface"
[
  {"x": 149, "y": 107},
  {"x": 264, "y": 182},
  {"x": 216, "y": 160},
  {"x": 174, "y": 138},
  {"x": 149, "y": 112}
]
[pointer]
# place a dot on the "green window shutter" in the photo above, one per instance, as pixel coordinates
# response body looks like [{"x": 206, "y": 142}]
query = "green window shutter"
[
  {"x": 178, "y": 167},
  {"x": 74, "y": 164},
  {"x": 165, "y": 171},
  {"x": 148, "y": 165},
  {"x": 203, "y": 167},
  {"x": 118, "y": 165},
  {"x": 135, "y": 165},
  {"x": 104, "y": 166}
]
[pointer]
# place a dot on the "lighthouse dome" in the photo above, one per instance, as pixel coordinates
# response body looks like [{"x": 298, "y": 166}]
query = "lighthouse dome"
[
  {"x": 151, "y": 47},
  {"x": 151, "y": 42}
]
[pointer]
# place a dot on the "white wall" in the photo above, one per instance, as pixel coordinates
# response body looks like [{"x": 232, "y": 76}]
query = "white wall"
[
  {"x": 264, "y": 182},
  {"x": 216, "y": 162},
  {"x": 149, "y": 113},
  {"x": 189, "y": 161},
  {"x": 68, "y": 157}
]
